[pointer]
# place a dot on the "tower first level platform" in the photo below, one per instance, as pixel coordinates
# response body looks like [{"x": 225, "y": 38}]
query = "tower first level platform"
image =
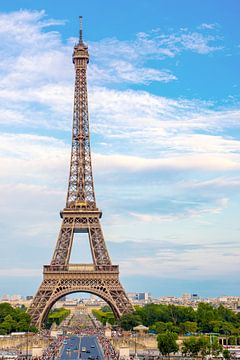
[{"x": 59, "y": 281}]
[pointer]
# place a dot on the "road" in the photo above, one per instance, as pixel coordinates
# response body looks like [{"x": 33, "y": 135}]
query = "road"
[{"x": 72, "y": 350}]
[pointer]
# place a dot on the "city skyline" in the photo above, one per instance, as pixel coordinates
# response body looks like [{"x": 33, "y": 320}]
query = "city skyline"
[{"x": 164, "y": 119}]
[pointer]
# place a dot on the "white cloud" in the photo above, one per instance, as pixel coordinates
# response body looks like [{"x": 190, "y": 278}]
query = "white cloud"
[
  {"x": 204, "y": 162},
  {"x": 124, "y": 71},
  {"x": 34, "y": 89},
  {"x": 189, "y": 212},
  {"x": 198, "y": 43},
  {"x": 121, "y": 113},
  {"x": 155, "y": 44},
  {"x": 33, "y": 160},
  {"x": 146, "y": 46},
  {"x": 214, "y": 183},
  {"x": 46, "y": 158},
  {"x": 205, "y": 263},
  {"x": 31, "y": 146},
  {"x": 207, "y": 26},
  {"x": 24, "y": 27}
]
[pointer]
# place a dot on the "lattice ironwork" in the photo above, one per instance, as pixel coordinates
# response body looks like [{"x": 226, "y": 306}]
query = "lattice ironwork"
[
  {"x": 80, "y": 215},
  {"x": 57, "y": 284}
]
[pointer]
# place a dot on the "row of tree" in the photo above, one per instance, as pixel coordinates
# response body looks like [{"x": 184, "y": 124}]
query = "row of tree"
[
  {"x": 56, "y": 316},
  {"x": 14, "y": 320},
  {"x": 180, "y": 319},
  {"x": 105, "y": 315},
  {"x": 18, "y": 320}
]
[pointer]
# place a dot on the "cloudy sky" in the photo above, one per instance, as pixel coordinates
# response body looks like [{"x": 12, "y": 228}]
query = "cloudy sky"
[{"x": 165, "y": 132}]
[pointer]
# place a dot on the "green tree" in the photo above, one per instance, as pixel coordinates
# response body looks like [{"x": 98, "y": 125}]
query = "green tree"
[
  {"x": 188, "y": 327},
  {"x": 159, "y": 327},
  {"x": 216, "y": 325},
  {"x": 129, "y": 321},
  {"x": 232, "y": 340},
  {"x": 181, "y": 314},
  {"x": 3, "y": 330},
  {"x": 106, "y": 308},
  {"x": 152, "y": 313},
  {"x": 110, "y": 318},
  {"x": 104, "y": 316},
  {"x": 226, "y": 354},
  {"x": 204, "y": 346},
  {"x": 215, "y": 347},
  {"x": 56, "y": 316},
  {"x": 9, "y": 324},
  {"x": 23, "y": 325},
  {"x": 201, "y": 345},
  {"x": 228, "y": 328},
  {"x": 205, "y": 315},
  {"x": 226, "y": 314},
  {"x": 14, "y": 319},
  {"x": 5, "y": 309},
  {"x": 191, "y": 346},
  {"x": 167, "y": 343},
  {"x": 169, "y": 326}
]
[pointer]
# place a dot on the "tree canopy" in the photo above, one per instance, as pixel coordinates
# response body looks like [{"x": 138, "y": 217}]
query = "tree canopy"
[
  {"x": 14, "y": 320},
  {"x": 56, "y": 316},
  {"x": 179, "y": 319},
  {"x": 167, "y": 343}
]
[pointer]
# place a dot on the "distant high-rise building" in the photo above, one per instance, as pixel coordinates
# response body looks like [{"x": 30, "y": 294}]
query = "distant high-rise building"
[
  {"x": 138, "y": 296},
  {"x": 194, "y": 297}
]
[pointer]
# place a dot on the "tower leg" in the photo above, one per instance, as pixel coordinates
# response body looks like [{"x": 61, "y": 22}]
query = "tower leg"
[{"x": 40, "y": 302}]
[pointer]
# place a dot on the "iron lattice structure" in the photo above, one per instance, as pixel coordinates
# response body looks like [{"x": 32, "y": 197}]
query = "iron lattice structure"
[{"x": 80, "y": 215}]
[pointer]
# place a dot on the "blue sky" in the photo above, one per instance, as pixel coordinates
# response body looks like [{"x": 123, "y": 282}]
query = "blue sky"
[{"x": 165, "y": 131}]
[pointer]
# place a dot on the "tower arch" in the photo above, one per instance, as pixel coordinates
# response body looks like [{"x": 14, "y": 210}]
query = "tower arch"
[{"x": 65, "y": 292}]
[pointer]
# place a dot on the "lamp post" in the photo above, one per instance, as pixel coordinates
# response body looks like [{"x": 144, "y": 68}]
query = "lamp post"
[
  {"x": 27, "y": 341},
  {"x": 135, "y": 345},
  {"x": 27, "y": 344}
]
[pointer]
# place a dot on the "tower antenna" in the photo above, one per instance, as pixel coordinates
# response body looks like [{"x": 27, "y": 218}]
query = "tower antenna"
[{"x": 81, "y": 32}]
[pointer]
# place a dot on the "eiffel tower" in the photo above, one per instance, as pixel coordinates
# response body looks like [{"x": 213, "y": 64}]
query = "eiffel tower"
[{"x": 80, "y": 215}]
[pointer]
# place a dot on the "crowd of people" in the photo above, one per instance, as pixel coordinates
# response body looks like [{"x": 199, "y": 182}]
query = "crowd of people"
[
  {"x": 109, "y": 352},
  {"x": 52, "y": 352}
]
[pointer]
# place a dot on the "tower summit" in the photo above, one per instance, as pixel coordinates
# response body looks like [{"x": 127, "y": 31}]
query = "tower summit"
[
  {"x": 80, "y": 215},
  {"x": 80, "y": 31}
]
